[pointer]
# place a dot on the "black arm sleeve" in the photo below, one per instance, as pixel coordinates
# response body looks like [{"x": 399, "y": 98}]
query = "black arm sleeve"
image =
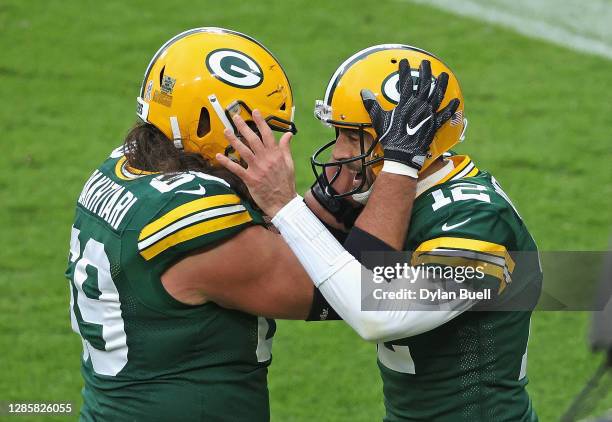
[
  {"x": 321, "y": 310},
  {"x": 358, "y": 241}
]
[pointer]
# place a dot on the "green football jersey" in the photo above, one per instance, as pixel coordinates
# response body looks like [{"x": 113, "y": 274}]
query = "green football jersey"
[
  {"x": 472, "y": 368},
  {"x": 146, "y": 356}
]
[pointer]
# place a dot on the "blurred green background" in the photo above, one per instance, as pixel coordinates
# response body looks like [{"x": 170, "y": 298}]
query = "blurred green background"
[{"x": 540, "y": 121}]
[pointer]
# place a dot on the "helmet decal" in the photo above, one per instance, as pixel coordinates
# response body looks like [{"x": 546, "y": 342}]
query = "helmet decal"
[
  {"x": 203, "y": 63},
  {"x": 167, "y": 84},
  {"x": 390, "y": 85},
  {"x": 147, "y": 94},
  {"x": 390, "y": 88},
  {"x": 234, "y": 68},
  {"x": 376, "y": 69}
]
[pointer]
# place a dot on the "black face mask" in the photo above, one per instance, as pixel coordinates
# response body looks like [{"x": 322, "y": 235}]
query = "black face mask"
[
  {"x": 319, "y": 168},
  {"x": 277, "y": 124}
]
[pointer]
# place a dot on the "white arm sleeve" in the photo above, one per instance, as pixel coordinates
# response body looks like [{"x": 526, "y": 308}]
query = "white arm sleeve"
[{"x": 338, "y": 276}]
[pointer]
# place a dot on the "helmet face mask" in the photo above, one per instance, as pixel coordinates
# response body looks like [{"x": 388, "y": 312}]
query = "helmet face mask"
[
  {"x": 367, "y": 158},
  {"x": 276, "y": 123},
  {"x": 200, "y": 78},
  {"x": 376, "y": 69}
]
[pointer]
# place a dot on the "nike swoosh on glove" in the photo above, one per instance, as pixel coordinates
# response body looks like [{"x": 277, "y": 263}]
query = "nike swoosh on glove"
[{"x": 407, "y": 131}]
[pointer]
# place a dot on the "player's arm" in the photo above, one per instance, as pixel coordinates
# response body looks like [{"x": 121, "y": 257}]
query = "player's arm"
[
  {"x": 217, "y": 247},
  {"x": 271, "y": 182},
  {"x": 347, "y": 286},
  {"x": 337, "y": 214},
  {"x": 253, "y": 271},
  {"x": 339, "y": 275}
]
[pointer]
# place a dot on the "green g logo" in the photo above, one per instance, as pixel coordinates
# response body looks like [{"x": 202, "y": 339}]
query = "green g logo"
[
  {"x": 390, "y": 86},
  {"x": 234, "y": 68}
]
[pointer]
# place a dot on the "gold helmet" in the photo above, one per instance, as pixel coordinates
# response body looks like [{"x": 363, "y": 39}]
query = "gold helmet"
[
  {"x": 376, "y": 68},
  {"x": 201, "y": 77}
]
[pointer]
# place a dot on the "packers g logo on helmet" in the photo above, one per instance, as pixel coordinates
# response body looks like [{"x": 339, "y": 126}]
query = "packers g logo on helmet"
[
  {"x": 200, "y": 77},
  {"x": 376, "y": 69},
  {"x": 234, "y": 68},
  {"x": 390, "y": 85}
]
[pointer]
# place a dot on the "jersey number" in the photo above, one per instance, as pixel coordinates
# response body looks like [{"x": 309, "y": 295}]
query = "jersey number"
[
  {"x": 396, "y": 357},
  {"x": 460, "y": 192},
  {"x": 465, "y": 191},
  {"x": 166, "y": 183},
  {"x": 95, "y": 310}
]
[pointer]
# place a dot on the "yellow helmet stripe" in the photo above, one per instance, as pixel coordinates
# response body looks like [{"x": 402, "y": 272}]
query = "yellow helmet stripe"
[
  {"x": 184, "y": 34},
  {"x": 360, "y": 55}
]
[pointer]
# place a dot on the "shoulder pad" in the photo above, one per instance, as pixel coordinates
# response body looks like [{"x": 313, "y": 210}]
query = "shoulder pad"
[
  {"x": 198, "y": 210},
  {"x": 191, "y": 182}
]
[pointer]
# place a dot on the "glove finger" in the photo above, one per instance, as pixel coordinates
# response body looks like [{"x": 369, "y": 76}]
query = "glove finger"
[
  {"x": 447, "y": 112},
  {"x": 406, "y": 84},
  {"x": 424, "y": 80},
  {"x": 369, "y": 101},
  {"x": 438, "y": 94},
  {"x": 372, "y": 106}
]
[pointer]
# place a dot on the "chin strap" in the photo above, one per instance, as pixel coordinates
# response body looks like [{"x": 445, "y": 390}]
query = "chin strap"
[
  {"x": 362, "y": 197},
  {"x": 214, "y": 102},
  {"x": 342, "y": 210}
]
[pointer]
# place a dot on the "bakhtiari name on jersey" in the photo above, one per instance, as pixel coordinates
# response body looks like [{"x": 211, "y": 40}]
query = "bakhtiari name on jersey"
[{"x": 106, "y": 199}]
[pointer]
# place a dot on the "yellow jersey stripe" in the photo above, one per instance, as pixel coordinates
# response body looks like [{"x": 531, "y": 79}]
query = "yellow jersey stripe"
[
  {"x": 198, "y": 217},
  {"x": 133, "y": 173},
  {"x": 185, "y": 210},
  {"x": 473, "y": 173},
  {"x": 465, "y": 160},
  {"x": 194, "y": 231},
  {"x": 470, "y": 245},
  {"x": 454, "y": 261},
  {"x": 118, "y": 169}
]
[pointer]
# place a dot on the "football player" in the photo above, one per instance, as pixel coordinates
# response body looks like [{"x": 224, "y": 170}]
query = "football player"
[
  {"x": 455, "y": 363},
  {"x": 169, "y": 259}
]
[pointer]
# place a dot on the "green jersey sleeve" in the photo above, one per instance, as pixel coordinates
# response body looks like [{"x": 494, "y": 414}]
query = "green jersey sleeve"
[
  {"x": 194, "y": 216},
  {"x": 476, "y": 242},
  {"x": 468, "y": 225}
]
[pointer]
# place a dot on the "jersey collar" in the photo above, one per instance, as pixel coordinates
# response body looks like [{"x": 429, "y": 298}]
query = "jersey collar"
[
  {"x": 125, "y": 172},
  {"x": 457, "y": 167}
]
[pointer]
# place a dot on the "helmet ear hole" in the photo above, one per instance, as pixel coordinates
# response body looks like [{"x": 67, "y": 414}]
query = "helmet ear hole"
[
  {"x": 283, "y": 106},
  {"x": 161, "y": 75},
  {"x": 203, "y": 123}
]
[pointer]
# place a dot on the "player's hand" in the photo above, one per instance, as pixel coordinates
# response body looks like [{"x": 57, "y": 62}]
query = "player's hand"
[
  {"x": 269, "y": 175},
  {"x": 407, "y": 131}
]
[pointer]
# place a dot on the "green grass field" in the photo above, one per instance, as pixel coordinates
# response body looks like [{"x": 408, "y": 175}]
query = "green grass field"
[{"x": 540, "y": 120}]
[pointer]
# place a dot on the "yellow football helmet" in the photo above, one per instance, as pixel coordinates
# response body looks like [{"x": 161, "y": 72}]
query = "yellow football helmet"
[
  {"x": 198, "y": 79},
  {"x": 376, "y": 68}
]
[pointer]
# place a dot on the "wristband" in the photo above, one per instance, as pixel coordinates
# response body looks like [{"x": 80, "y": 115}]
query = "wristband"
[
  {"x": 318, "y": 251},
  {"x": 402, "y": 169}
]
